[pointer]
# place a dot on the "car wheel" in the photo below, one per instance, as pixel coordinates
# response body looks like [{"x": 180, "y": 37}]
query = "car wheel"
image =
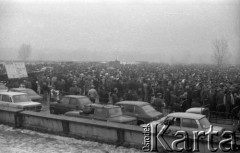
[{"x": 52, "y": 111}]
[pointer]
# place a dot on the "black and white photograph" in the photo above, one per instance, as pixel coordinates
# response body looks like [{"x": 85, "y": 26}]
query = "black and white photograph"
[{"x": 119, "y": 76}]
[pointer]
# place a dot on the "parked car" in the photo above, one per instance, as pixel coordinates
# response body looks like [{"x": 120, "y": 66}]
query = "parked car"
[
  {"x": 31, "y": 93},
  {"x": 109, "y": 113},
  {"x": 69, "y": 103},
  {"x": 188, "y": 122},
  {"x": 3, "y": 87},
  {"x": 143, "y": 111},
  {"x": 18, "y": 100}
]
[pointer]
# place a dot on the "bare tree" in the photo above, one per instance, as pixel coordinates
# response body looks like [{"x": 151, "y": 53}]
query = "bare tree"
[
  {"x": 221, "y": 52},
  {"x": 24, "y": 52}
]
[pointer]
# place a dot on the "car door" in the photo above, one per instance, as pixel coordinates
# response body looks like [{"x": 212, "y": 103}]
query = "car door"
[
  {"x": 62, "y": 106},
  {"x": 175, "y": 126},
  {"x": 73, "y": 104},
  {"x": 189, "y": 125}
]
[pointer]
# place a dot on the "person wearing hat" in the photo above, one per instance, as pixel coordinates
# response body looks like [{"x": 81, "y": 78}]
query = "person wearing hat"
[{"x": 92, "y": 94}]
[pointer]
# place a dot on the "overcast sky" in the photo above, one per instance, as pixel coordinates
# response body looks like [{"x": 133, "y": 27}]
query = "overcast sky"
[{"x": 152, "y": 30}]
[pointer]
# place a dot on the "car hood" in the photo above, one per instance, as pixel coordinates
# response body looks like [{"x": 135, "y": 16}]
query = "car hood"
[
  {"x": 35, "y": 97},
  {"x": 122, "y": 119},
  {"x": 218, "y": 129},
  {"x": 160, "y": 121},
  {"x": 30, "y": 103},
  {"x": 155, "y": 114}
]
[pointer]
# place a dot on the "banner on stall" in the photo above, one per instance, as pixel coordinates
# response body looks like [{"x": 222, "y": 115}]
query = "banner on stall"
[{"x": 16, "y": 70}]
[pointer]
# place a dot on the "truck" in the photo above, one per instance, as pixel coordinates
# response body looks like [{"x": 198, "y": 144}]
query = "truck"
[{"x": 109, "y": 113}]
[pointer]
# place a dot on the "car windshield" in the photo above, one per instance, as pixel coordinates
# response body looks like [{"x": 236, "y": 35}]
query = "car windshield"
[
  {"x": 20, "y": 98},
  {"x": 85, "y": 101},
  {"x": 148, "y": 108},
  {"x": 114, "y": 112},
  {"x": 204, "y": 123}
]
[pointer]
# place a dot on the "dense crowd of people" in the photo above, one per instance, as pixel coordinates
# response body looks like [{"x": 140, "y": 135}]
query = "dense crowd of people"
[{"x": 163, "y": 85}]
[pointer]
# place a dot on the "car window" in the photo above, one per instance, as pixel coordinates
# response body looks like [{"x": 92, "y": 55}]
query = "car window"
[
  {"x": 129, "y": 108},
  {"x": 64, "y": 100},
  {"x": 20, "y": 98},
  {"x": 138, "y": 110},
  {"x": 204, "y": 123},
  {"x": 84, "y": 101},
  {"x": 6, "y": 98},
  {"x": 74, "y": 102},
  {"x": 176, "y": 121},
  {"x": 148, "y": 108},
  {"x": 189, "y": 123}
]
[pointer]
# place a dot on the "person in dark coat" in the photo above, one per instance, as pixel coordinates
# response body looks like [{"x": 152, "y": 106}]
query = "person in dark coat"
[
  {"x": 159, "y": 102},
  {"x": 115, "y": 97},
  {"x": 103, "y": 95}
]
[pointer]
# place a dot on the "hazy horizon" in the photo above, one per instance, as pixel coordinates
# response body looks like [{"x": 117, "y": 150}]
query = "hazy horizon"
[{"x": 133, "y": 30}]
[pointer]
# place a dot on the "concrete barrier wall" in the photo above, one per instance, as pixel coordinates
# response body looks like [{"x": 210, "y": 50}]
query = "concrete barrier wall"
[
  {"x": 9, "y": 116},
  {"x": 41, "y": 123},
  {"x": 114, "y": 133},
  {"x": 133, "y": 137},
  {"x": 97, "y": 133}
]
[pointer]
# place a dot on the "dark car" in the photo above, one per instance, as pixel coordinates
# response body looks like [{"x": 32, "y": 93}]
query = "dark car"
[
  {"x": 143, "y": 111},
  {"x": 69, "y": 103},
  {"x": 31, "y": 93},
  {"x": 109, "y": 113}
]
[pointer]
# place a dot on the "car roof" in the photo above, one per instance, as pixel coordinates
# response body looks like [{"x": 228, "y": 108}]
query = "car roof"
[
  {"x": 75, "y": 96},
  {"x": 137, "y": 103},
  {"x": 12, "y": 93},
  {"x": 186, "y": 115}
]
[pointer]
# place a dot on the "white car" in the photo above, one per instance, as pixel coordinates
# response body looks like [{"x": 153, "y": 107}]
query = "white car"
[
  {"x": 18, "y": 100},
  {"x": 189, "y": 122}
]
